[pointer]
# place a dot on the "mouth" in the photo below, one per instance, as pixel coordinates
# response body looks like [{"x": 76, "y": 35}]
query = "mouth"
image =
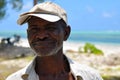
[{"x": 43, "y": 43}]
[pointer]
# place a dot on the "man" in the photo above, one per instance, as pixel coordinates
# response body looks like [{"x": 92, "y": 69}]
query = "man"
[{"x": 47, "y": 29}]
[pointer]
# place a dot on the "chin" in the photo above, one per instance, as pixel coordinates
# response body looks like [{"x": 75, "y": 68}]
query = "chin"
[{"x": 47, "y": 53}]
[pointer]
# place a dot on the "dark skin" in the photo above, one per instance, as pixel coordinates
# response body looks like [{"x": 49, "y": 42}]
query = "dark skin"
[{"x": 46, "y": 39}]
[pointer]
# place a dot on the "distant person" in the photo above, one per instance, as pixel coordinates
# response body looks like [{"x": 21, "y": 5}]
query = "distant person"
[
  {"x": 8, "y": 41},
  {"x": 16, "y": 38},
  {"x": 47, "y": 30}
]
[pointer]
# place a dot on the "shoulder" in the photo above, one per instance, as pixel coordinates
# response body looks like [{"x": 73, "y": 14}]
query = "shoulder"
[
  {"x": 22, "y": 73},
  {"x": 86, "y": 72},
  {"x": 15, "y": 76}
]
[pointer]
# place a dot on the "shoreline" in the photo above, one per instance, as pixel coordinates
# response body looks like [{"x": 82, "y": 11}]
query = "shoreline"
[
  {"x": 101, "y": 63},
  {"x": 107, "y": 48}
]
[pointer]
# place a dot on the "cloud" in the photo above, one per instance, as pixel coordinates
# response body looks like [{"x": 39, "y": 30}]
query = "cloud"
[
  {"x": 90, "y": 9},
  {"x": 107, "y": 15}
]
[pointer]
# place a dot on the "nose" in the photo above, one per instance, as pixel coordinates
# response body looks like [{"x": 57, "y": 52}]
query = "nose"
[{"x": 42, "y": 35}]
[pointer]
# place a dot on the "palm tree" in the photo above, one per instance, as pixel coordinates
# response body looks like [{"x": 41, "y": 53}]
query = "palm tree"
[{"x": 16, "y": 5}]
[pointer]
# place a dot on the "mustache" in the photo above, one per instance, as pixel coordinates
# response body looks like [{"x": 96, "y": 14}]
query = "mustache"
[{"x": 42, "y": 41}]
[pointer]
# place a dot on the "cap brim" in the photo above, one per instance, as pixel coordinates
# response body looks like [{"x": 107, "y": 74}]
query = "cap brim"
[{"x": 48, "y": 17}]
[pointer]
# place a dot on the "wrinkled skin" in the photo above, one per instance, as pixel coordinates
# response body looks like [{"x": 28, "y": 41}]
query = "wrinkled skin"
[{"x": 46, "y": 38}]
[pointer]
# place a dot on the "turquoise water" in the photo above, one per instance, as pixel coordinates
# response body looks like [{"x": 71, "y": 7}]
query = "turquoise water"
[
  {"x": 98, "y": 37},
  {"x": 11, "y": 33}
]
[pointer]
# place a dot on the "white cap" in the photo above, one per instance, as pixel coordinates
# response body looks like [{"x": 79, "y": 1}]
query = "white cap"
[{"x": 47, "y": 10}]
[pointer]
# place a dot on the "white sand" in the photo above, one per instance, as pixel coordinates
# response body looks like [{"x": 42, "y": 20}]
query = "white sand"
[{"x": 106, "y": 48}]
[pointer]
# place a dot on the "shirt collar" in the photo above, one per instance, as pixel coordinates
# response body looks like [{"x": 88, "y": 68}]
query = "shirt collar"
[{"x": 29, "y": 73}]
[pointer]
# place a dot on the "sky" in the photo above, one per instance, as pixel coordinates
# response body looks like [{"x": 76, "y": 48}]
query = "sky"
[{"x": 83, "y": 15}]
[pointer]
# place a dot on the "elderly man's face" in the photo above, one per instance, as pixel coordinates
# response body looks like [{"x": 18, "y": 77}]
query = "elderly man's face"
[{"x": 46, "y": 38}]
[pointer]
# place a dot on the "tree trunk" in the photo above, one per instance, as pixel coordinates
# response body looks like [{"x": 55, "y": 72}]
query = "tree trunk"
[{"x": 35, "y": 2}]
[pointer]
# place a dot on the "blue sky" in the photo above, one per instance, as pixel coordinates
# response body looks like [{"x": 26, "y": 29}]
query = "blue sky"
[{"x": 83, "y": 15}]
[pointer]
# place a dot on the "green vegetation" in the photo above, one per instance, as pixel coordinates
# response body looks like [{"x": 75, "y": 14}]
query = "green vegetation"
[
  {"x": 111, "y": 77},
  {"x": 90, "y": 48}
]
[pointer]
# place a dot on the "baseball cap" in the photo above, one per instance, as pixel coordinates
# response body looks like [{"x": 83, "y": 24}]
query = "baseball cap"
[{"x": 48, "y": 11}]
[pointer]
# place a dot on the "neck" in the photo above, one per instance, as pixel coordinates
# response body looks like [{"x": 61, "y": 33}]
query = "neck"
[{"x": 51, "y": 65}]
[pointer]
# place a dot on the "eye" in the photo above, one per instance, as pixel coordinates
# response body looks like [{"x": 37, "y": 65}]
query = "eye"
[
  {"x": 32, "y": 30},
  {"x": 51, "y": 28}
]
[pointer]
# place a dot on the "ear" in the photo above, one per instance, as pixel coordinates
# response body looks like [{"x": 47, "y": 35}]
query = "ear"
[
  {"x": 67, "y": 32},
  {"x": 27, "y": 33}
]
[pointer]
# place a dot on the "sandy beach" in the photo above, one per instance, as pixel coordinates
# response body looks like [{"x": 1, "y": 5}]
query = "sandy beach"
[
  {"x": 107, "y": 48},
  {"x": 111, "y": 51},
  {"x": 68, "y": 45},
  {"x": 110, "y": 60}
]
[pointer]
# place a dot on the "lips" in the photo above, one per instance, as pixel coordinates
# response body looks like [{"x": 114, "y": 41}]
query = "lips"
[{"x": 43, "y": 43}]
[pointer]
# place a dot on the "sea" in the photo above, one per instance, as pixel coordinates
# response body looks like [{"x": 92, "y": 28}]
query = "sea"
[{"x": 107, "y": 37}]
